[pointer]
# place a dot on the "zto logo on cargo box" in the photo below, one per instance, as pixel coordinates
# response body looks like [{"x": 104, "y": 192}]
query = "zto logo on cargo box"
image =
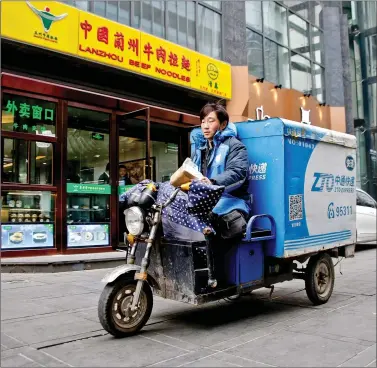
[{"x": 330, "y": 183}]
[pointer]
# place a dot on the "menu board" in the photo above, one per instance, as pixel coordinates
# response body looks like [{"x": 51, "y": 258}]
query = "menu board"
[
  {"x": 88, "y": 235},
  {"x": 22, "y": 236}
]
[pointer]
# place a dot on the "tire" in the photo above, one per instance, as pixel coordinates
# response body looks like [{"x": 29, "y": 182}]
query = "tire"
[
  {"x": 319, "y": 278},
  {"x": 112, "y": 317}
]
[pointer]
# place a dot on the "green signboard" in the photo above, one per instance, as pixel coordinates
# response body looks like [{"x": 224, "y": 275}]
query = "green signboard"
[
  {"x": 98, "y": 137},
  {"x": 123, "y": 188},
  {"x": 88, "y": 188}
]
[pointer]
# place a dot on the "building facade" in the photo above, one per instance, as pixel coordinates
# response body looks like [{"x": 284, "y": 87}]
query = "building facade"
[
  {"x": 104, "y": 95},
  {"x": 363, "y": 66}
]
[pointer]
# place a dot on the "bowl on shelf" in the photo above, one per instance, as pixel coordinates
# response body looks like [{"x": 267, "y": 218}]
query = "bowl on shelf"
[
  {"x": 75, "y": 207},
  {"x": 95, "y": 207}
]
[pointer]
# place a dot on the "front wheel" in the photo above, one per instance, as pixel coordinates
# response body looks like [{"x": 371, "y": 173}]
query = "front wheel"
[
  {"x": 114, "y": 307},
  {"x": 319, "y": 278}
]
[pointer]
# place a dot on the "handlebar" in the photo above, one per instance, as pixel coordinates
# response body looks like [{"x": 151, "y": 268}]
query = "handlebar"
[{"x": 184, "y": 187}]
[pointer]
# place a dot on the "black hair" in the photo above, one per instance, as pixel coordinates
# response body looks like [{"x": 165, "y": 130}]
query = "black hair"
[
  {"x": 122, "y": 167},
  {"x": 107, "y": 167},
  {"x": 220, "y": 111}
]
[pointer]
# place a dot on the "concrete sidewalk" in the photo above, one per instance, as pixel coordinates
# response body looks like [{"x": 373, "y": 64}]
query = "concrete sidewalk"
[
  {"x": 50, "y": 320},
  {"x": 62, "y": 262}
]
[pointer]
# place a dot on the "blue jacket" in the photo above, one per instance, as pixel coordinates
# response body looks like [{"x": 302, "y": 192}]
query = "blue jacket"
[{"x": 227, "y": 165}]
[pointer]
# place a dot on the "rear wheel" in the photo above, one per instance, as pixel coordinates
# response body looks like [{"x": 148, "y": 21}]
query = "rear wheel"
[
  {"x": 114, "y": 307},
  {"x": 319, "y": 278}
]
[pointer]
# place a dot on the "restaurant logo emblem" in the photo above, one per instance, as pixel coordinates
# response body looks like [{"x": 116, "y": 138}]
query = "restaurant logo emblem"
[
  {"x": 46, "y": 16},
  {"x": 212, "y": 71}
]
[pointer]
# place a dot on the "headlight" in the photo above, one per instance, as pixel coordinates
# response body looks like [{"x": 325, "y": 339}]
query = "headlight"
[{"x": 134, "y": 220}]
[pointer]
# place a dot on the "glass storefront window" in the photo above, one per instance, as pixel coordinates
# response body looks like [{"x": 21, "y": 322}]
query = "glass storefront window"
[
  {"x": 275, "y": 21},
  {"x": 15, "y": 162},
  {"x": 317, "y": 41},
  {"x": 164, "y": 150},
  {"x": 209, "y": 29},
  {"x": 88, "y": 146},
  {"x": 124, "y": 12},
  {"x": 132, "y": 152},
  {"x": 254, "y": 14},
  {"x": 41, "y": 159},
  {"x": 301, "y": 74},
  {"x": 277, "y": 64},
  {"x": 299, "y": 35},
  {"x": 319, "y": 85},
  {"x": 88, "y": 178},
  {"x": 28, "y": 115},
  {"x": 27, "y": 219},
  {"x": 254, "y": 44}
]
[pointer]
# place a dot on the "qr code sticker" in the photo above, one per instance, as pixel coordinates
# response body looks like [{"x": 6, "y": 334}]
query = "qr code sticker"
[{"x": 295, "y": 207}]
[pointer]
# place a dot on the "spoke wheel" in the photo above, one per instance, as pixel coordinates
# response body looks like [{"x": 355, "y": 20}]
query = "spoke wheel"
[
  {"x": 114, "y": 307},
  {"x": 319, "y": 278}
]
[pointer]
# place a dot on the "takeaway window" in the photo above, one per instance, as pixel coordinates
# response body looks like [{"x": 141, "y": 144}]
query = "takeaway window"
[{"x": 28, "y": 115}]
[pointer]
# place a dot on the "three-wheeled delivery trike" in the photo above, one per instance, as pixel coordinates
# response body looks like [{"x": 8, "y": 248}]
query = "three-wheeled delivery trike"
[{"x": 302, "y": 182}]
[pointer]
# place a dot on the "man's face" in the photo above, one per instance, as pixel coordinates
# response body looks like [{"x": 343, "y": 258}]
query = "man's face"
[
  {"x": 210, "y": 125},
  {"x": 122, "y": 172}
]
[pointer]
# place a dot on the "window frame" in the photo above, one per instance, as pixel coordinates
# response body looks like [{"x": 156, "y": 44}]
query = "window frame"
[
  {"x": 29, "y": 137},
  {"x": 311, "y": 23}
]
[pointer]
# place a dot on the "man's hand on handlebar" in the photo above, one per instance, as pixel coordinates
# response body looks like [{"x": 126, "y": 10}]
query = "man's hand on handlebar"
[{"x": 206, "y": 181}]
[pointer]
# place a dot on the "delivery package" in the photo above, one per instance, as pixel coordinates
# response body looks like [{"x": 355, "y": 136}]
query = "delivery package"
[{"x": 186, "y": 173}]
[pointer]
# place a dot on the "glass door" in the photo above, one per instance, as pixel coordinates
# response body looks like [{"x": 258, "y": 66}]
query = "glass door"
[
  {"x": 132, "y": 159},
  {"x": 88, "y": 178}
]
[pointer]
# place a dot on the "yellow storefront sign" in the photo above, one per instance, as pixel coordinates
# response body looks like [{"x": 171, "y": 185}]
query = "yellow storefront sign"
[
  {"x": 108, "y": 42},
  {"x": 46, "y": 24},
  {"x": 65, "y": 29}
]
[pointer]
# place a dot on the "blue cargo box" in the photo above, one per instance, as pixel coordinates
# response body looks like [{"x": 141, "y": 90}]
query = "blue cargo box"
[{"x": 305, "y": 177}]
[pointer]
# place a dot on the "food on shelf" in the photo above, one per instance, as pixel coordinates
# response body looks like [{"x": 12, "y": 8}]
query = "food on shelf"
[
  {"x": 39, "y": 237},
  {"x": 74, "y": 237},
  {"x": 12, "y": 203},
  {"x": 16, "y": 237},
  {"x": 88, "y": 236},
  {"x": 101, "y": 235},
  {"x": 18, "y": 204}
]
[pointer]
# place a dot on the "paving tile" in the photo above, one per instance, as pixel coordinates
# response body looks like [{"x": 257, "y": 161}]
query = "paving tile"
[
  {"x": 209, "y": 362},
  {"x": 46, "y": 328},
  {"x": 341, "y": 323},
  {"x": 289, "y": 349},
  {"x": 364, "y": 359},
  {"x": 38, "y": 357},
  {"x": 107, "y": 351}
]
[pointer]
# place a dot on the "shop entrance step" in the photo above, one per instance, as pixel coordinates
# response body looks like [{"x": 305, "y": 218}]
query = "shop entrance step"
[{"x": 62, "y": 262}]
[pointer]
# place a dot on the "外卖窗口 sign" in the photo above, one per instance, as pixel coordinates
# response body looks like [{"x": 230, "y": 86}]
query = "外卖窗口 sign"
[{"x": 65, "y": 29}]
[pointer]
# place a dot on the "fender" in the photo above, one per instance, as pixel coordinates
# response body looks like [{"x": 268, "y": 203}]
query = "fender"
[{"x": 127, "y": 269}]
